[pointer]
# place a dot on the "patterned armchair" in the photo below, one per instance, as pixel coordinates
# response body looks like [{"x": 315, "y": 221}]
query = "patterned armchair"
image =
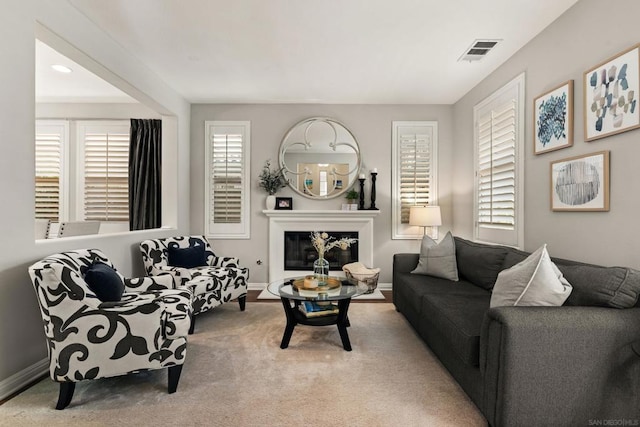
[
  {"x": 90, "y": 339},
  {"x": 219, "y": 281}
]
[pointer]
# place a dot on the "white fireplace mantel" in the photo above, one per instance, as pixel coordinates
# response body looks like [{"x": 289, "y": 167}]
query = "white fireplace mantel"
[{"x": 317, "y": 220}]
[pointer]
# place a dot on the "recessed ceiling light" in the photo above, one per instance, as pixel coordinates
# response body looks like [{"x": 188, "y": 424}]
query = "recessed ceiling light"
[{"x": 61, "y": 68}]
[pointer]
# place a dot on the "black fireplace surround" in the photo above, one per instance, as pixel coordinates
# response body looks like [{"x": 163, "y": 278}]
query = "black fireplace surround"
[{"x": 299, "y": 253}]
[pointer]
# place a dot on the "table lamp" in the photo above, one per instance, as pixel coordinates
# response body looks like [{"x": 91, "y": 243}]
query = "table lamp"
[{"x": 425, "y": 216}]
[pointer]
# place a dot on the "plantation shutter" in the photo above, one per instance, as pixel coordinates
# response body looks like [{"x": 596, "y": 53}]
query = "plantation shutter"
[
  {"x": 497, "y": 166},
  {"x": 227, "y": 185},
  {"x": 415, "y": 172},
  {"x": 49, "y": 146},
  {"x": 414, "y": 179},
  {"x": 106, "y": 172},
  {"x": 499, "y": 138},
  {"x": 226, "y": 178}
]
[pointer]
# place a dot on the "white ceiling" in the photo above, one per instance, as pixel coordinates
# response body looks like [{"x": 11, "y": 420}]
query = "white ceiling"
[{"x": 323, "y": 51}]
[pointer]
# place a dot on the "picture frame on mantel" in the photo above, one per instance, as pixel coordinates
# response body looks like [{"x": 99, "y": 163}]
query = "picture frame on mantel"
[
  {"x": 284, "y": 203},
  {"x": 553, "y": 119},
  {"x": 581, "y": 183},
  {"x": 611, "y": 91}
]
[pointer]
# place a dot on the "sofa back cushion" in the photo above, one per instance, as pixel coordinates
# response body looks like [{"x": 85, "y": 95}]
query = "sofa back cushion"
[
  {"x": 594, "y": 285},
  {"x": 479, "y": 263}
]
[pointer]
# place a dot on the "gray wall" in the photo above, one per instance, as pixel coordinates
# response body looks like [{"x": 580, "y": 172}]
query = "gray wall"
[
  {"x": 587, "y": 34},
  {"x": 371, "y": 125},
  {"x": 22, "y": 341}
]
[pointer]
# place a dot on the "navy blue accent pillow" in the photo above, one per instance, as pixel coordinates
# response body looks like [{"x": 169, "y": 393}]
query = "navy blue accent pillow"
[
  {"x": 187, "y": 257},
  {"x": 104, "y": 281}
]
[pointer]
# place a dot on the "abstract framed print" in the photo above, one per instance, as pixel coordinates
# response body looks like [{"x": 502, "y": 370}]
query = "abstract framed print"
[
  {"x": 611, "y": 95},
  {"x": 553, "y": 119},
  {"x": 581, "y": 183}
]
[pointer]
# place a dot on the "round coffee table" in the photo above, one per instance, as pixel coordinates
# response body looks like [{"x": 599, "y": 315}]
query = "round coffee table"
[{"x": 292, "y": 298}]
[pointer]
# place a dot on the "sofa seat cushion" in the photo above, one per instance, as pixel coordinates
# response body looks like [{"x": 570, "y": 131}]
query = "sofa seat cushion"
[
  {"x": 458, "y": 318},
  {"x": 479, "y": 263}
]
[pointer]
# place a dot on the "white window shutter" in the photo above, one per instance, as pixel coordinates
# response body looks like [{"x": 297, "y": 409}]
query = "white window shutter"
[
  {"x": 414, "y": 159},
  {"x": 227, "y": 183},
  {"x": 51, "y": 141},
  {"x": 499, "y": 136},
  {"x": 106, "y": 171}
]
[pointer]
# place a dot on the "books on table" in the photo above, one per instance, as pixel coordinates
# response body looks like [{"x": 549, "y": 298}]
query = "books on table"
[{"x": 313, "y": 309}]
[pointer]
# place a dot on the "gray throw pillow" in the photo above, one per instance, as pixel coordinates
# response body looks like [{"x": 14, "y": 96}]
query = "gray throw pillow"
[
  {"x": 438, "y": 259},
  {"x": 534, "y": 281}
]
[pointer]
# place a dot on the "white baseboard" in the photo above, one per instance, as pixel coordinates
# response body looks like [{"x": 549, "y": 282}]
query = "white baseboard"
[
  {"x": 260, "y": 286},
  {"x": 23, "y": 378}
]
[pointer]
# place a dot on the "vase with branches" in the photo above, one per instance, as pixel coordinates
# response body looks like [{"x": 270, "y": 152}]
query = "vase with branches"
[{"x": 271, "y": 180}]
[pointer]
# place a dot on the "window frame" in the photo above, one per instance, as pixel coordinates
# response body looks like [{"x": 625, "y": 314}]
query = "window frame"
[
  {"x": 494, "y": 233},
  {"x": 406, "y": 231},
  {"x": 240, "y": 230}
]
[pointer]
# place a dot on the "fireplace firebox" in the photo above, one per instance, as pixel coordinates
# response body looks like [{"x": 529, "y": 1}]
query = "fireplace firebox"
[{"x": 299, "y": 253}]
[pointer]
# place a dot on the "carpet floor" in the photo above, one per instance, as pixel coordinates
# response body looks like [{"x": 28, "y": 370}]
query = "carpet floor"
[{"x": 237, "y": 375}]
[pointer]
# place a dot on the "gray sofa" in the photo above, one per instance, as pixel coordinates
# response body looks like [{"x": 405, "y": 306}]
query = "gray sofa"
[{"x": 530, "y": 366}]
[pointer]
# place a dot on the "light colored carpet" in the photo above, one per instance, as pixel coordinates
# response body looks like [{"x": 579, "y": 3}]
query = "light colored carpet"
[
  {"x": 376, "y": 294},
  {"x": 237, "y": 375}
]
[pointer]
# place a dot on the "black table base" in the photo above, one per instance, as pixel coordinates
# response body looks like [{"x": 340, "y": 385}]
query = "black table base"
[{"x": 295, "y": 317}]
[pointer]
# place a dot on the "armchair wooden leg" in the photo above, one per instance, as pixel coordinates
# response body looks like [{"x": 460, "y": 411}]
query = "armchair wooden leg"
[
  {"x": 174, "y": 377},
  {"x": 193, "y": 324},
  {"x": 66, "y": 394},
  {"x": 242, "y": 301}
]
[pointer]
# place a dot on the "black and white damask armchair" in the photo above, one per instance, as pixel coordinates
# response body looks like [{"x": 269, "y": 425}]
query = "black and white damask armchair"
[
  {"x": 88, "y": 338},
  {"x": 212, "y": 280}
]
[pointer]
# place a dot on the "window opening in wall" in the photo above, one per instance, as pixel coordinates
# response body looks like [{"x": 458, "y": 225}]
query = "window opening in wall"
[
  {"x": 415, "y": 160},
  {"x": 499, "y": 137},
  {"x": 227, "y": 186}
]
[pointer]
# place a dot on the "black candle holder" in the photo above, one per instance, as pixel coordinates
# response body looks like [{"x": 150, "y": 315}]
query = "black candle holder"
[
  {"x": 361, "y": 205},
  {"x": 373, "y": 191}
]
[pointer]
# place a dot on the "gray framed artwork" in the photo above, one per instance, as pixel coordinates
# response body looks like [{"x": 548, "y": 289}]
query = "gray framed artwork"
[{"x": 581, "y": 183}]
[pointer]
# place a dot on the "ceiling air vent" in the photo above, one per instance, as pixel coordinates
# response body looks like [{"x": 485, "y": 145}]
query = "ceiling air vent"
[{"x": 478, "y": 50}]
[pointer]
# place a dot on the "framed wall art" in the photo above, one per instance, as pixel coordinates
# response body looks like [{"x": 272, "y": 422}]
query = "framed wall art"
[
  {"x": 611, "y": 95},
  {"x": 581, "y": 183},
  {"x": 553, "y": 119}
]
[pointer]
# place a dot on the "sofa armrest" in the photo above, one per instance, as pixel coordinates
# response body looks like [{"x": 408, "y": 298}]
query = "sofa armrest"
[
  {"x": 219, "y": 261},
  {"x": 560, "y": 365},
  {"x": 141, "y": 284},
  {"x": 405, "y": 263}
]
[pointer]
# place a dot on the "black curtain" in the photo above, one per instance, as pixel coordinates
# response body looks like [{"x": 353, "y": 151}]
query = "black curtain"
[{"x": 145, "y": 174}]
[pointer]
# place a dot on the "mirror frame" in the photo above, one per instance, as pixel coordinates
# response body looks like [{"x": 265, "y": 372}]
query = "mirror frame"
[{"x": 292, "y": 176}]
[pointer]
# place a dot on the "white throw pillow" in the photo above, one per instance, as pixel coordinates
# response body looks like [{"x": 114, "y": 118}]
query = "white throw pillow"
[
  {"x": 438, "y": 259},
  {"x": 533, "y": 281}
]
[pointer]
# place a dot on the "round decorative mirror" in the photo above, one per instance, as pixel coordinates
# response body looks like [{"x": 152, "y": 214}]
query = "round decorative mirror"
[{"x": 320, "y": 158}]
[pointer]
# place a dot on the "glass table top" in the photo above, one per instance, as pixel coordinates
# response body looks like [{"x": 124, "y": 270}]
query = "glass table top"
[{"x": 285, "y": 289}]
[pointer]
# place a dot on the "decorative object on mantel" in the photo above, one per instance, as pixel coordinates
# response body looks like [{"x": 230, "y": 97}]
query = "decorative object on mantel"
[
  {"x": 425, "y": 216},
  {"x": 284, "y": 203},
  {"x": 271, "y": 181},
  {"x": 351, "y": 197},
  {"x": 361, "y": 178},
  {"x": 323, "y": 243},
  {"x": 374, "y": 174},
  {"x": 358, "y": 272}
]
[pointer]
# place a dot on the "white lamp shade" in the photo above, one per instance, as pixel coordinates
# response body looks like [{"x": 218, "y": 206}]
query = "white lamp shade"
[{"x": 425, "y": 216}]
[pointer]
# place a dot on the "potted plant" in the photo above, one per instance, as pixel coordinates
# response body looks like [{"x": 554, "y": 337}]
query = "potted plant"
[
  {"x": 271, "y": 180},
  {"x": 352, "y": 196}
]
